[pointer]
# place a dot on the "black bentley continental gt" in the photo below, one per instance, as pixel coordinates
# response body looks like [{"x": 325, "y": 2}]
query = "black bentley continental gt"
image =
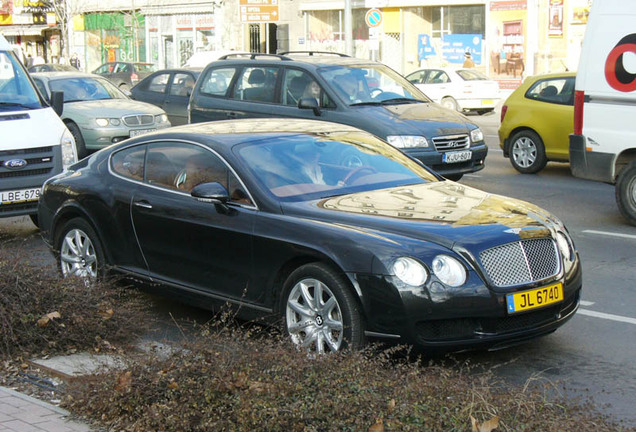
[{"x": 323, "y": 225}]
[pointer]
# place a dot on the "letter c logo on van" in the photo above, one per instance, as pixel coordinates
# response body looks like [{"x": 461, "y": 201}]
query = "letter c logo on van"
[{"x": 615, "y": 73}]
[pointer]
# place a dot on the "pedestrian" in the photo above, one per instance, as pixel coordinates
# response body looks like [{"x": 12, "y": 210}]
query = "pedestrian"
[
  {"x": 468, "y": 60},
  {"x": 75, "y": 61}
]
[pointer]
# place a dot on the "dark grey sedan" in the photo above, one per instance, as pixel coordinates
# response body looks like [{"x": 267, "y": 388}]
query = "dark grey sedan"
[{"x": 169, "y": 89}]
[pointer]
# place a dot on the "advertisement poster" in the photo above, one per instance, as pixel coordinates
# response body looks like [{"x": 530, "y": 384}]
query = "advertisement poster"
[
  {"x": 455, "y": 46},
  {"x": 425, "y": 48},
  {"x": 555, "y": 15},
  {"x": 507, "y": 41}
]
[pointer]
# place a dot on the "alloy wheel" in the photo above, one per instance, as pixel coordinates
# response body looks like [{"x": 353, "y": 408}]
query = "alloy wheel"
[
  {"x": 314, "y": 318},
  {"x": 77, "y": 255}
]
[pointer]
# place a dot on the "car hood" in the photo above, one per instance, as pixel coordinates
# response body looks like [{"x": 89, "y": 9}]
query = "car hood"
[
  {"x": 446, "y": 213},
  {"x": 429, "y": 119},
  {"x": 112, "y": 107}
]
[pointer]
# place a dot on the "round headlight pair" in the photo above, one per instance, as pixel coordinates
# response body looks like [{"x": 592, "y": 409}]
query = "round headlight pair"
[
  {"x": 103, "y": 122},
  {"x": 447, "y": 269}
]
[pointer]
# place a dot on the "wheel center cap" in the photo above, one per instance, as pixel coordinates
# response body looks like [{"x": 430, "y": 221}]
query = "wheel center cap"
[{"x": 319, "y": 320}]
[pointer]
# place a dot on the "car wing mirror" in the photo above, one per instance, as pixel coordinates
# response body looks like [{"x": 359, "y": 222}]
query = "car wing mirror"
[
  {"x": 57, "y": 102},
  {"x": 309, "y": 103},
  {"x": 212, "y": 192}
]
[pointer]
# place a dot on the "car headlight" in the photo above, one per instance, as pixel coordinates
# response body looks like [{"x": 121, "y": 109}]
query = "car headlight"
[
  {"x": 476, "y": 135},
  {"x": 407, "y": 141},
  {"x": 449, "y": 270},
  {"x": 566, "y": 246},
  {"x": 103, "y": 122},
  {"x": 161, "y": 118},
  {"x": 410, "y": 271},
  {"x": 69, "y": 151}
]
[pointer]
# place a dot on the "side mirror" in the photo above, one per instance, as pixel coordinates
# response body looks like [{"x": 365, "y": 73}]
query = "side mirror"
[
  {"x": 57, "y": 102},
  {"x": 213, "y": 193},
  {"x": 309, "y": 103}
]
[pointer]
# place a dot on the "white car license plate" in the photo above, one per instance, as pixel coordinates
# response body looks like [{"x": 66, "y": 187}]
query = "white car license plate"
[
  {"x": 22, "y": 195},
  {"x": 134, "y": 133},
  {"x": 459, "y": 156}
]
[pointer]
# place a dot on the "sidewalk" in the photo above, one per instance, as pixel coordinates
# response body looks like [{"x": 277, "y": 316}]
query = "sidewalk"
[{"x": 22, "y": 413}]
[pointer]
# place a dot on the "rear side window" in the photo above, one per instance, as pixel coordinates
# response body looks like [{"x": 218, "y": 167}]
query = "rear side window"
[
  {"x": 216, "y": 82},
  {"x": 129, "y": 162},
  {"x": 553, "y": 90},
  {"x": 256, "y": 84},
  {"x": 158, "y": 83},
  {"x": 437, "y": 77}
]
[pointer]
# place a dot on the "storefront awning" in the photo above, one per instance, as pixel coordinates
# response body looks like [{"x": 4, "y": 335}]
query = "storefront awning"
[{"x": 24, "y": 30}]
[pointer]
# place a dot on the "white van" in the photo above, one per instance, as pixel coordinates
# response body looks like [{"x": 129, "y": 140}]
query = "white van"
[
  {"x": 603, "y": 145},
  {"x": 34, "y": 142}
]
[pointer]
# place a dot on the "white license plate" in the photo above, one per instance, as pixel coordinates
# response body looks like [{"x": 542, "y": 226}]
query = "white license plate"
[
  {"x": 459, "y": 156},
  {"x": 22, "y": 195},
  {"x": 134, "y": 133}
]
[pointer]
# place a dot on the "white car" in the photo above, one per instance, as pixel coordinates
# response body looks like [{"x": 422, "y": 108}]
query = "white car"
[{"x": 457, "y": 89}]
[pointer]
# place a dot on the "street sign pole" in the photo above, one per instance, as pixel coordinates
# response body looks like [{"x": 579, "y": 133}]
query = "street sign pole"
[{"x": 348, "y": 28}]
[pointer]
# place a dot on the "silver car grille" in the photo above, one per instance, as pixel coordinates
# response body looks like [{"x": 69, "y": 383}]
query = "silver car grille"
[
  {"x": 139, "y": 120},
  {"x": 451, "y": 142},
  {"x": 521, "y": 262}
]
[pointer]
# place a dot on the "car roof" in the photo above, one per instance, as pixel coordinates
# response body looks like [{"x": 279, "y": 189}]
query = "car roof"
[
  {"x": 51, "y": 76},
  {"x": 295, "y": 58},
  {"x": 230, "y": 132}
]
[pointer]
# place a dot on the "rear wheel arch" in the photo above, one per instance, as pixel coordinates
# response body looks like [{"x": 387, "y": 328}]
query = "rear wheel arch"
[{"x": 69, "y": 213}]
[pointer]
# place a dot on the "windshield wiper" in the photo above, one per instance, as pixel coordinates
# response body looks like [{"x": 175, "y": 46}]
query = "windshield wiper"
[
  {"x": 401, "y": 100},
  {"x": 15, "y": 104}
]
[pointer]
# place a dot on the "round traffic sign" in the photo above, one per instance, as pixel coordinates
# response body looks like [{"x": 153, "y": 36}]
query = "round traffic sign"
[{"x": 373, "y": 17}]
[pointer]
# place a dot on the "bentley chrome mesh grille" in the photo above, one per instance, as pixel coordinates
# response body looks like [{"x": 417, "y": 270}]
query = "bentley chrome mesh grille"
[{"x": 521, "y": 262}]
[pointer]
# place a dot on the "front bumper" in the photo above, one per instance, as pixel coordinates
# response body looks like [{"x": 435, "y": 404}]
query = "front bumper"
[
  {"x": 473, "y": 317},
  {"x": 434, "y": 160}
]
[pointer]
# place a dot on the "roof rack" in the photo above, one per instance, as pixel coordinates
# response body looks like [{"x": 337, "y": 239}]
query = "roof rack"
[
  {"x": 252, "y": 56},
  {"x": 311, "y": 53}
]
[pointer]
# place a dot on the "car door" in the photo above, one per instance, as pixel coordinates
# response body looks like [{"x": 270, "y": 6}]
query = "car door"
[
  {"x": 177, "y": 97},
  {"x": 552, "y": 114},
  {"x": 211, "y": 100},
  {"x": 193, "y": 244},
  {"x": 436, "y": 84},
  {"x": 153, "y": 90}
]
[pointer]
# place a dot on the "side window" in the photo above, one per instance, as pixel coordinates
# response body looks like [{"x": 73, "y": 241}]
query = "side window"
[
  {"x": 257, "y": 84},
  {"x": 160, "y": 168},
  {"x": 555, "y": 90},
  {"x": 299, "y": 84},
  {"x": 159, "y": 83},
  {"x": 217, "y": 81},
  {"x": 182, "y": 84},
  {"x": 417, "y": 78},
  {"x": 122, "y": 67},
  {"x": 129, "y": 162},
  {"x": 437, "y": 77},
  {"x": 103, "y": 69}
]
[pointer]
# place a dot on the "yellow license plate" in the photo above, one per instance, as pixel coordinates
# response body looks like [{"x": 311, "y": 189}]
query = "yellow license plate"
[
  {"x": 487, "y": 101},
  {"x": 536, "y": 298}
]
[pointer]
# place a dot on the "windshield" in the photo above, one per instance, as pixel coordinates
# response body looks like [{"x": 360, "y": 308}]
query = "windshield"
[
  {"x": 371, "y": 84},
  {"x": 16, "y": 90},
  {"x": 86, "y": 89},
  {"x": 298, "y": 167}
]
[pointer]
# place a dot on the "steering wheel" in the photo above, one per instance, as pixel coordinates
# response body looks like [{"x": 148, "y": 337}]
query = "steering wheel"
[
  {"x": 356, "y": 173},
  {"x": 375, "y": 92}
]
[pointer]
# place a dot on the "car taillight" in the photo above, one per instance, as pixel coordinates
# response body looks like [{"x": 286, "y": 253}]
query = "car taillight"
[
  {"x": 503, "y": 112},
  {"x": 579, "y": 98},
  {"x": 134, "y": 77}
]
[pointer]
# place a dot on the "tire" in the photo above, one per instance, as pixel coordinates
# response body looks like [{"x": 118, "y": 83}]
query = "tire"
[
  {"x": 626, "y": 193},
  {"x": 450, "y": 103},
  {"x": 79, "y": 250},
  {"x": 335, "y": 323},
  {"x": 454, "y": 177},
  {"x": 527, "y": 153},
  {"x": 80, "y": 145}
]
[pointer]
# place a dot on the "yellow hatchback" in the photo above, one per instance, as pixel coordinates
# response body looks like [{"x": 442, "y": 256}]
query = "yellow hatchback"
[{"x": 536, "y": 120}]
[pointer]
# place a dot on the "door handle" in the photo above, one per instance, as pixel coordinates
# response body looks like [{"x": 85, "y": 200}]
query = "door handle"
[{"x": 144, "y": 204}]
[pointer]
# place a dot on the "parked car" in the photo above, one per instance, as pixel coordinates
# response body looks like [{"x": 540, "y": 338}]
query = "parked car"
[
  {"x": 271, "y": 216},
  {"x": 96, "y": 112},
  {"x": 52, "y": 67},
  {"x": 361, "y": 93},
  {"x": 536, "y": 121},
  {"x": 169, "y": 89},
  {"x": 125, "y": 74},
  {"x": 458, "y": 89}
]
